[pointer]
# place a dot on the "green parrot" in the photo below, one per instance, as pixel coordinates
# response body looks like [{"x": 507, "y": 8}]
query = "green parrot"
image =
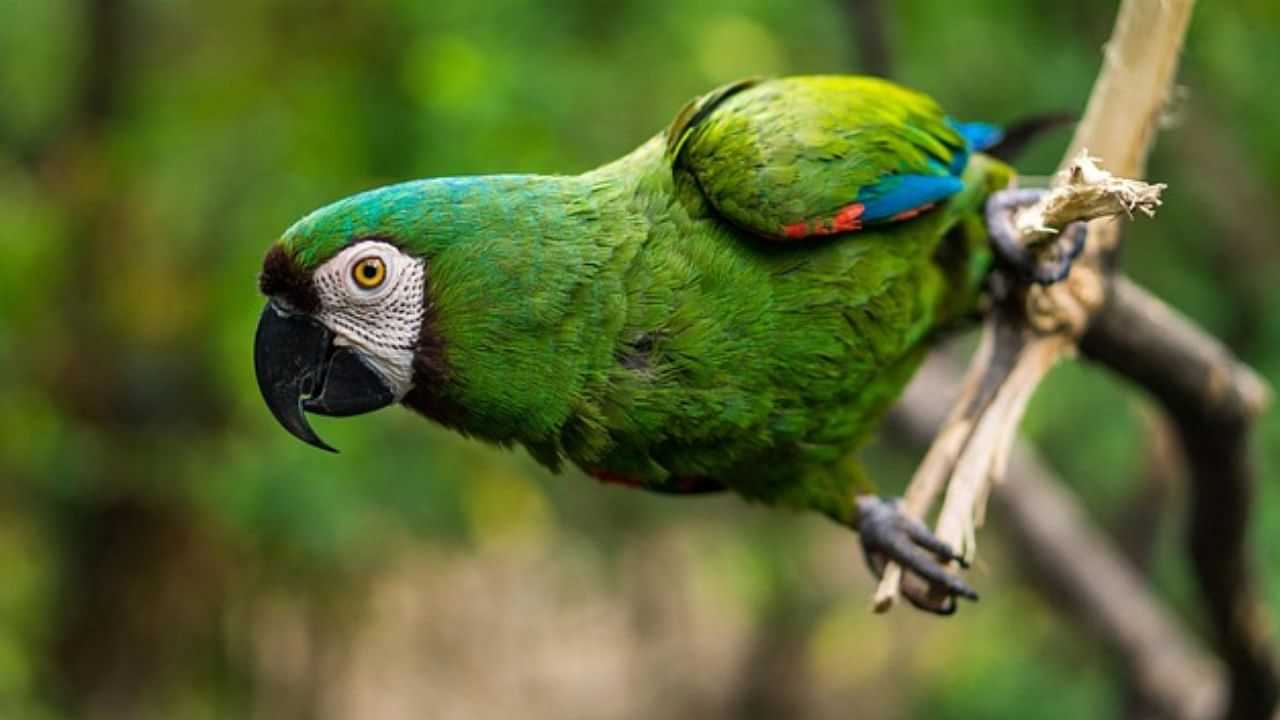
[{"x": 732, "y": 306}]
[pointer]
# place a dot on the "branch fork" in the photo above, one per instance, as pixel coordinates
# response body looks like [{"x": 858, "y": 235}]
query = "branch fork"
[
  {"x": 1029, "y": 329},
  {"x": 1212, "y": 397}
]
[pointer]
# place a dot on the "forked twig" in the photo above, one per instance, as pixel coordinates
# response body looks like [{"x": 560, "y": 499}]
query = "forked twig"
[
  {"x": 1031, "y": 328},
  {"x": 1023, "y": 338}
]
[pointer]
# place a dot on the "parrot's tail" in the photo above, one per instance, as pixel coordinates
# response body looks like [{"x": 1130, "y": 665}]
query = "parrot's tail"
[{"x": 1018, "y": 135}]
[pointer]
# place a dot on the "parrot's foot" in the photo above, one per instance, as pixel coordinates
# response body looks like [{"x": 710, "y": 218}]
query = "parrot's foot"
[
  {"x": 1046, "y": 266},
  {"x": 887, "y": 535}
]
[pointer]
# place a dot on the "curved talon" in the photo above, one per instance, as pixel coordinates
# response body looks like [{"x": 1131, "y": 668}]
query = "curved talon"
[
  {"x": 947, "y": 608},
  {"x": 1046, "y": 268},
  {"x": 920, "y": 599},
  {"x": 925, "y": 538},
  {"x": 1079, "y": 233},
  {"x": 887, "y": 534}
]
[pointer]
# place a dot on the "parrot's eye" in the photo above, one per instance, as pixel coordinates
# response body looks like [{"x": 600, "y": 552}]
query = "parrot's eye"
[{"x": 369, "y": 273}]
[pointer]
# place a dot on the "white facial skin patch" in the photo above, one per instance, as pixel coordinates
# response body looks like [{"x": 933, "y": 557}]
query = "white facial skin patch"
[{"x": 371, "y": 298}]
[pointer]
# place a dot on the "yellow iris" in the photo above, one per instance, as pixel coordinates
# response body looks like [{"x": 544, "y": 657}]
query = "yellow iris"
[{"x": 369, "y": 273}]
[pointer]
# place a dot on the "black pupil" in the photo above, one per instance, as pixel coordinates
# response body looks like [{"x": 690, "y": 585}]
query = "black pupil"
[{"x": 369, "y": 270}]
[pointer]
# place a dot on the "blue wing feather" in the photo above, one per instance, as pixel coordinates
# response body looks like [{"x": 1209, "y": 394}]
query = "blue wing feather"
[
  {"x": 894, "y": 195},
  {"x": 897, "y": 194},
  {"x": 978, "y": 135}
]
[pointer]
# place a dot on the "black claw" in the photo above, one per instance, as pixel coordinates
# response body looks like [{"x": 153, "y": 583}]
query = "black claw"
[
  {"x": 1066, "y": 248},
  {"x": 1048, "y": 273},
  {"x": 887, "y": 534},
  {"x": 1078, "y": 232},
  {"x": 918, "y": 562},
  {"x": 921, "y": 535},
  {"x": 1004, "y": 238},
  {"x": 948, "y": 607}
]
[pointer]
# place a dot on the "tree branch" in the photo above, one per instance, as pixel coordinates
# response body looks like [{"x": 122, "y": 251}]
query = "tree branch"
[
  {"x": 1084, "y": 191},
  {"x": 1080, "y": 570},
  {"x": 1032, "y": 327},
  {"x": 1214, "y": 400}
]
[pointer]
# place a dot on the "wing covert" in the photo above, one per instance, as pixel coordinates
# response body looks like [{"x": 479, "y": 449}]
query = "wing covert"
[{"x": 802, "y": 157}]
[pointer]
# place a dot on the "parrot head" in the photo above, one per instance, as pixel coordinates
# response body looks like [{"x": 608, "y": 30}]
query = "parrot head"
[{"x": 344, "y": 314}]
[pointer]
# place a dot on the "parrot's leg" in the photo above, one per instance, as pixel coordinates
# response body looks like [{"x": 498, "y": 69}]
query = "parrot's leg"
[
  {"x": 887, "y": 534},
  {"x": 1046, "y": 266}
]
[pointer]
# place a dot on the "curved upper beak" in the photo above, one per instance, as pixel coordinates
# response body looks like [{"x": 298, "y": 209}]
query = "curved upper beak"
[{"x": 300, "y": 369}]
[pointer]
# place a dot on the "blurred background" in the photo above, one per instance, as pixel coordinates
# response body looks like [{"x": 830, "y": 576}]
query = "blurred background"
[{"x": 167, "y": 551}]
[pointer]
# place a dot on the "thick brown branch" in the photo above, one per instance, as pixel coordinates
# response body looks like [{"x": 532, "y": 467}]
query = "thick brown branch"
[
  {"x": 1213, "y": 400},
  {"x": 1083, "y": 569},
  {"x": 1141, "y": 337}
]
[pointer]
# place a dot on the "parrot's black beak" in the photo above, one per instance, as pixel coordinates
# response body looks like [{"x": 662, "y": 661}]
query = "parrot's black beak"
[{"x": 299, "y": 368}]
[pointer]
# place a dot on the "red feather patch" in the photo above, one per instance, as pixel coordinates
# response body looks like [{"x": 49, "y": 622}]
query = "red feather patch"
[
  {"x": 847, "y": 219},
  {"x": 908, "y": 214}
]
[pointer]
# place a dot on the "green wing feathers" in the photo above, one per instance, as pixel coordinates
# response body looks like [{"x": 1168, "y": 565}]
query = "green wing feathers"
[{"x": 808, "y": 156}]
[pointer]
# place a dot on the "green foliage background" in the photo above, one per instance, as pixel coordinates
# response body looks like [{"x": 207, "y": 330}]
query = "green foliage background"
[{"x": 152, "y": 515}]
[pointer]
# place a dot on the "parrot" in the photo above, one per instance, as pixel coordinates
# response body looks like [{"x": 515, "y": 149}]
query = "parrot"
[{"x": 732, "y": 306}]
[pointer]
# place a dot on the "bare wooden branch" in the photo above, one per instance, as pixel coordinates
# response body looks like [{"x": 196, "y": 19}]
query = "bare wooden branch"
[
  {"x": 1195, "y": 371},
  {"x": 1084, "y": 191},
  {"x": 1081, "y": 567},
  {"x": 1212, "y": 397},
  {"x": 1213, "y": 400},
  {"x": 1032, "y": 328},
  {"x": 1024, "y": 338},
  {"x": 1080, "y": 570},
  {"x": 1131, "y": 92}
]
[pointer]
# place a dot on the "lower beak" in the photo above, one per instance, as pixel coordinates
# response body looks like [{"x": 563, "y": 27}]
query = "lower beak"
[{"x": 300, "y": 369}]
